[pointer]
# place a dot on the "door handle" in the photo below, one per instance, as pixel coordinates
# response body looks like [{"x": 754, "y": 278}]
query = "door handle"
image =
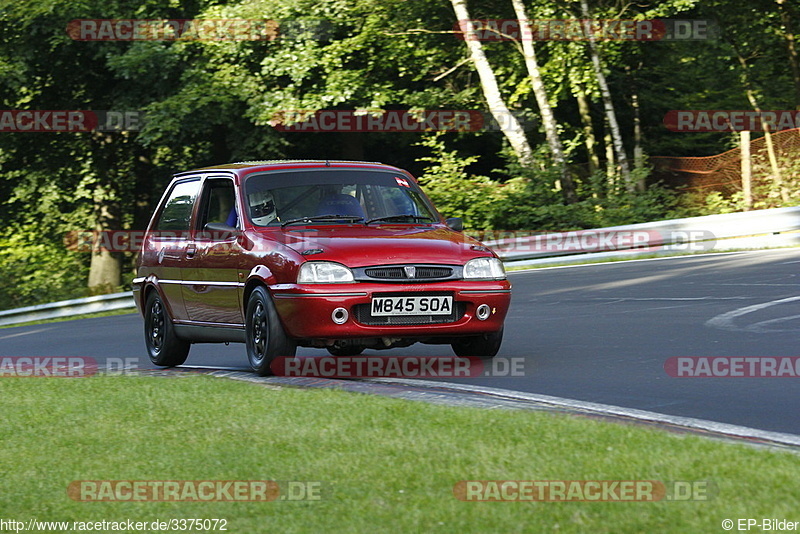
[{"x": 190, "y": 251}]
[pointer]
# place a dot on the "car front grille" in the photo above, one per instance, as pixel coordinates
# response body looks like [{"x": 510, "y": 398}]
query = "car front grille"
[{"x": 409, "y": 273}]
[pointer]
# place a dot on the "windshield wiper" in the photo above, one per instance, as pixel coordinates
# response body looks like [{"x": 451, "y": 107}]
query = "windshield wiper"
[
  {"x": 415, "y": 218},
  {"x": 347, "y": 218}
]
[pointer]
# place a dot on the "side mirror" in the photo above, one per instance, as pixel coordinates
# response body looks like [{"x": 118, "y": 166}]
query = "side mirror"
[
  {"x": 455, "y": 223},
  {"x": 219, "y": 231}
]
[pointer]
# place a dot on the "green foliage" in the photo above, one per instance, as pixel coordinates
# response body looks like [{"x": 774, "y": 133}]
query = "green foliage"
[
  {"x": 765, "y": 191},
  {"x": 528, "y": 206},
  {"x": 698, "y": 204},
  {"x": 453, "y": 191},
  {"x": 36, "y": 268},
  {"x": 526, "y": 201}
]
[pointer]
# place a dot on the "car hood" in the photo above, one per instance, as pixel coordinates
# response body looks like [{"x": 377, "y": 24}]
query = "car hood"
[{"x": 360, "y": 246}]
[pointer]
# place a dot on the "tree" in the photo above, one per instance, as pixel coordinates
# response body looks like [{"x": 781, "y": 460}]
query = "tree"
[
  {"x": 545, "y": 110},
  {"x": 510, "y": 126},
  {"x": 103, "y": 181},
  {"x": 608, "y": 103},
  {"x": 787, "y": 30}
]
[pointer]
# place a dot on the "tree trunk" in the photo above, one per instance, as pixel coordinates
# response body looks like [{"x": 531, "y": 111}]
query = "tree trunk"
[
  {"x": 638, "y": 152},
  {"x": 508, "y": 123},
  {"x": 773, "y": 163},
  {"x": 611, "y": 165},
  {"x": 588, "y": 129},
  {"x": 619, "y": 148},
  {"x": 539, "y": 91},
  {"x": 747, "y": 188},
  {"x": 777, "y": 178},
  {"x": 105, "y": 268},
  {"x": 794, "y": 62}
]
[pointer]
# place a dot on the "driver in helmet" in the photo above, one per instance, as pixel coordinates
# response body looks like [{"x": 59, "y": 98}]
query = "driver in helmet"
[{"x": 262, "y": 208}]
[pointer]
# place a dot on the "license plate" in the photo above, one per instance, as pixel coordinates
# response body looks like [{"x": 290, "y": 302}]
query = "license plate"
[{"x": 436, "y": 305}]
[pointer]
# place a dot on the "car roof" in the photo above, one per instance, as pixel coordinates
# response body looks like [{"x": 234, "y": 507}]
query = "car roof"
[{"x": 242, "y": 168}]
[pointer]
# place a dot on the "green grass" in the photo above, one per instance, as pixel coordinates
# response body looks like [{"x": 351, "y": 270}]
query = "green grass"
[{"x": 386, "y": 465}]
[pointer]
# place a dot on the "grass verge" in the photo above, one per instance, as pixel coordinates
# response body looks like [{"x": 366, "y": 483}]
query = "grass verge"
[{"x": 385, "y": 465}]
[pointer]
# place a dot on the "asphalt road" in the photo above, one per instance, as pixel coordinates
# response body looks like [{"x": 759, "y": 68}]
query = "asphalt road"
[{"x": 598, "y": 333}]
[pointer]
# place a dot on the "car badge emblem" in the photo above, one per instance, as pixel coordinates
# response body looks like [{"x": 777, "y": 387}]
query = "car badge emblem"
[{"x": 410, "y": 270}]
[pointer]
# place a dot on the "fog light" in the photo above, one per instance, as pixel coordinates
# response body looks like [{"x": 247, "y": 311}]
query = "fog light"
[
  {"x": 483, "y": 312},
  {"x": 339, "y": 316}
]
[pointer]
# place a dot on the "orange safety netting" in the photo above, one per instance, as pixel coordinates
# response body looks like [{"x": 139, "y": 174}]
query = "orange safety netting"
[{"x": 723, "y": 172}]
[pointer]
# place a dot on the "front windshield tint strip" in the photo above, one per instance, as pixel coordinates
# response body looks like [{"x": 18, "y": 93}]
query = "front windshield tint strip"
[{"x": 336, "y": 196}]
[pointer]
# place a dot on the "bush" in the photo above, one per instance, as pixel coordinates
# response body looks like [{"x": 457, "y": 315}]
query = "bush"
[
  {"x": 527, "y": 200},
  {"x": 530, "y": 204},
  {"x": 766, "y": 194},
  {"x": 456, "y": 194},
  {"x": 36, "y": 269}
]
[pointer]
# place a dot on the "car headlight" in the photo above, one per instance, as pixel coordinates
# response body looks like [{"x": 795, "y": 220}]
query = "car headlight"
[
  {"x": 324, "y": 272},
  {"x": 484, "y": 269}
]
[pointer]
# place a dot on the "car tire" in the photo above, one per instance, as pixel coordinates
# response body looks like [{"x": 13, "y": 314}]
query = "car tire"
[
  {"x": 347, "y": 350},
  {"x": 265, "y": 336},
  {"x": 485, "y": 346},
  {"x": 164, "y": 347}
]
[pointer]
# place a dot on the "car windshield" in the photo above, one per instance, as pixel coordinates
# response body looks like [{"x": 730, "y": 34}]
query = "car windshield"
[{"x": 335, "y": 196}]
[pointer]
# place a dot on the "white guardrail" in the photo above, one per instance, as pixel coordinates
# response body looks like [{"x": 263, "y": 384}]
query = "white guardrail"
[
  {"x": 733, "y": 231},
  {"x": 68, "y": 308}
]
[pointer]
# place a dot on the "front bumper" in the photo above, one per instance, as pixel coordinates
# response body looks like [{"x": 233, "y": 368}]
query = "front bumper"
[{"x": 306, "y": 310}]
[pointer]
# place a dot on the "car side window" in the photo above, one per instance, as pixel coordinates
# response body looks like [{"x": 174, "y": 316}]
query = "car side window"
[
  {"x": 219, "y": 203},
  {"x": 176, "y": 214}
]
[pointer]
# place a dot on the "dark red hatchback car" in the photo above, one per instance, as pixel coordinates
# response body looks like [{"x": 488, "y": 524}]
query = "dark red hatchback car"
[{"x": 332, "y": 254}]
